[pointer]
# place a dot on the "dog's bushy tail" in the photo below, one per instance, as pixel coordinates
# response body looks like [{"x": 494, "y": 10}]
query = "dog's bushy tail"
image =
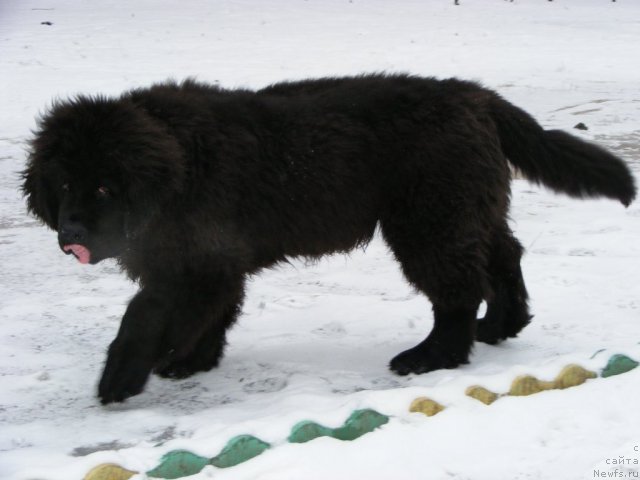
[{"x": 558, "y": 160}]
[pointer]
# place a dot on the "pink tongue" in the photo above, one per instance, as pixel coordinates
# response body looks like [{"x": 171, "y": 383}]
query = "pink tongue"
[{"x": 82, "y": 253}]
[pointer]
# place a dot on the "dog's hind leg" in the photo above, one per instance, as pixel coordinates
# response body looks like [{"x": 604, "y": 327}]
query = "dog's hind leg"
[
  {"x": 507, "y": 309},
  {"x": 445, "y": 259}
]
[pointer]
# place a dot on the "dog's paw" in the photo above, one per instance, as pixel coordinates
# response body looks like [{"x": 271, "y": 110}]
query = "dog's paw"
[
  {"x": 422, "y": 359},
  {"x": 493, "y": 331},
  {"x": 175, "y": 370},
  {"x": 490, "y": 332},
  {"x": 124, "y": 375}
]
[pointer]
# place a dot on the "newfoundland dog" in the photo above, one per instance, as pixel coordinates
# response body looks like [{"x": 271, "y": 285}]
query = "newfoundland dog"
[{"x": 193, "y": 187}]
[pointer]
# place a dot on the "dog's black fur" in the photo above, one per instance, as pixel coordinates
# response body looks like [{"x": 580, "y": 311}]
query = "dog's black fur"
[{"x": 192, "y": 188}]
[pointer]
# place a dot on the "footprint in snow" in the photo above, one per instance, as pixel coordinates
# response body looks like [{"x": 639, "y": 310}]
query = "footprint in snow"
[
  {"x": 604, "y": 230},
  {"x": 331, "y": 329},
  {"x": 99, "y": 447},
  {"x": 266, "y": 385},
  {"x": 581, "y": 252}
]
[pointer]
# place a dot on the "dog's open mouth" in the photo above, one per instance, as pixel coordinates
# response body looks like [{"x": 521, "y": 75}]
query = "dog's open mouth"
[{"x": 81, "y": 252}]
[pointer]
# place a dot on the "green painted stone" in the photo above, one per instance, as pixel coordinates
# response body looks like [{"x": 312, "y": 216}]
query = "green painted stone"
[
  {"x": 618, "y": 364},
  {"x": 359, "y": 423},
  {"x": 239, "y": 449},
  {"x": 177, "y": 464},
  {"x": 307, "y": 430}
]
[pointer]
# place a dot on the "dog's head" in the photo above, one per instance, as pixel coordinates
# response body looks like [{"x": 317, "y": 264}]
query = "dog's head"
[{"x": 98, "y": 170}]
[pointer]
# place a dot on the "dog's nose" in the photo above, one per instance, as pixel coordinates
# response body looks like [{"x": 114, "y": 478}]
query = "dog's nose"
[{"x": 71, "y": 233}]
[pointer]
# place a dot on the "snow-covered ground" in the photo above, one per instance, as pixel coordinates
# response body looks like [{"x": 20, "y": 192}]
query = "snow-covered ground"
[{"x": 314, "y": 340}]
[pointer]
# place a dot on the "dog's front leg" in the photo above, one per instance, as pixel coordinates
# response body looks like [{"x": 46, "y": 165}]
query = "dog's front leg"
[
  {"x": 136, "y": 348},
  {"x": 175, "y": 328}
]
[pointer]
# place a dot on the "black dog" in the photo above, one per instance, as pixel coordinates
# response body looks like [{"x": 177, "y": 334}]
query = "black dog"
[{"x": 193, "y": 187}]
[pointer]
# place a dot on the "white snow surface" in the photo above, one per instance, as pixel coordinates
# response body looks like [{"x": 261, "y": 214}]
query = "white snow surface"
[{"x": 315, "y": 340}]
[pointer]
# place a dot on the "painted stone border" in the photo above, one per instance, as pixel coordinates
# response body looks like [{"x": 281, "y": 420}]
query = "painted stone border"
[
  {"x": 182, "y": 463},
  {"x": 570, "y": 376}
]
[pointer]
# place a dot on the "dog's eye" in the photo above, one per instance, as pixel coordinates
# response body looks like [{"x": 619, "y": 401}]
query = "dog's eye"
[{"x": 103, "y": 192}]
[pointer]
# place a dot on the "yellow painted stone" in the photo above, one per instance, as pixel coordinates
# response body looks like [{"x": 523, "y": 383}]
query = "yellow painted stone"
[
  {"x": 482, "y": 394},
  {"x": 528, "y": 385},
  {"x": 573, "y": 375},
  {"x": 425, "y": 405},
  {"x": 109, "y": 471}
]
